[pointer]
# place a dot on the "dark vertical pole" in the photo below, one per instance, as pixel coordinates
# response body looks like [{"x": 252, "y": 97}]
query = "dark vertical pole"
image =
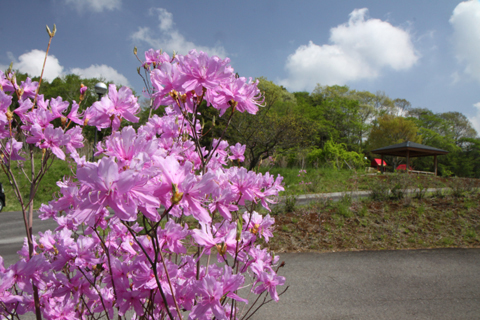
[
  {"x": 408, "y": 160},
  {"x": 435, "y": 163},
  {"x": 381, "y": 164}
]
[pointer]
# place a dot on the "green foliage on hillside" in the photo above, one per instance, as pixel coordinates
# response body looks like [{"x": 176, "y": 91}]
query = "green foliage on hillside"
[{"x": 309, "y": 129}]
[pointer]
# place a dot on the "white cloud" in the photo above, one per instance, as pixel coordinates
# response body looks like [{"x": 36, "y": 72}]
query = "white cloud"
[
  {"x": 169, "y": 39},
  {"x": 465, "y": 21},
  {"x": 359, "y": 49},
  {"x": 32, "y": 62},
  {"x": 95, "y": 5},
  {"x": 102, "y": 71}
]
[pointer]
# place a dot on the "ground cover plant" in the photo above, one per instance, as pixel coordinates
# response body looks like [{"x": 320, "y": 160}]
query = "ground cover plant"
[
  {"x": 105, "y": 264},
  {"x": 314, "y": 180},
  {"x": 327, "y": 180},
  {"x": 440, "y": 220}
]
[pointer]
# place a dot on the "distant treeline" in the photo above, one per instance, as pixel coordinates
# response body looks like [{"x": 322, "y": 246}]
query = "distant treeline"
[{"x": 331, "y": 126}]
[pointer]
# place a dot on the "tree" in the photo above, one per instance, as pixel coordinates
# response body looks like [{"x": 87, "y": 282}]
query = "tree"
[
  {"x": 458, "y": 126},
  {"x": 338, "y": 111},
  {"x": 402, "y": 106},
  {"x": 383, "y": 104},
  {"x": 390, "y": 130},
  {"x": 276, "y": 125},
  {"x": 425, "y": 118},
  {"x": 366, "y": 112}
]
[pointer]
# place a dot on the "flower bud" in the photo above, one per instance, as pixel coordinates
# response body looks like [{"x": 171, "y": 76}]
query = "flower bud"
[
  {"x": 176, "y": 196},
  {"x": 174, "y": 94},
  {"x": 83, "y": 89},
  {"x": 254, "y": 230},
  {"x": 183, "y": 97},
  {"x": 222, "y": 248},
  {"x": 9, "y": 115},
  {"x": 63, "y": 120},
  {"x": 239, "y": 230},
  {"x": 135, "y": 50},
  {"x": 49, "y": 32},
  {"x": 233, "y": 104},
  {"x": 9, "y": 70},
  {"x": 20, "y": 92}
]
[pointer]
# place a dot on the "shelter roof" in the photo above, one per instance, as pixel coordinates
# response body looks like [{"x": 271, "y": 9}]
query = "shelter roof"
[{"x": 414, "y": 150}]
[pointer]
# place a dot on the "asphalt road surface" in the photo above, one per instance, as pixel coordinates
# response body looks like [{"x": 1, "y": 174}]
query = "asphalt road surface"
[
  {"x": 408, "y": 284},
  {"x": 12, "y": 233}
]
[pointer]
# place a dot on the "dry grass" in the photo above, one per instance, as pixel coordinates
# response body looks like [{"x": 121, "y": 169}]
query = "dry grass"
[{"x": 433, "y": 222}]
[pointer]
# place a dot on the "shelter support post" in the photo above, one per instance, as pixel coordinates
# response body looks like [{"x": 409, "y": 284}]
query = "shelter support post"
[
  {"x": 435, "y": 163},
  {"x": 408, "y": 160},
  {"x": 381, "y": 165}
]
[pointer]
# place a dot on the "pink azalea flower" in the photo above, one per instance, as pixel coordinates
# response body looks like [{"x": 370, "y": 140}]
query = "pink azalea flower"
[
  {"x": 269, "y": 281},
  {"x": 24, "y": 107},
  {"x": 74, "y": 139},
  {"x": 112, "y": 108},
  {"x": 171, "y": 237},
  {"x": 83, "y": 89},
  {"x": 246, "y": 95},
  {"x": 29, "y": 88},
  {"x": 211, "y": 291},
  {"x": 12, "y": 149},
  {"x": 74, "y": 115},
  {"x": 155, "y": 57},
  {"x": 237, "y": 152},
  {"x": 204, "y": 237},
  {"x": 165, "y": 79},
  {"x": 54, "y": 139},
  {"x": 259, "y": 225},
  {"x": 203, "y": 72},
  {"x": 6, "y": 84},
  {"x": 58, "y": 106},
  {"x": 5, "y": 102}
]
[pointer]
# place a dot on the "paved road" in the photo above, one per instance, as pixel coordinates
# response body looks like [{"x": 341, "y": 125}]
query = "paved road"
[
  {"x": 409, "y": 284},
  {"x": 12, "y": 233}
]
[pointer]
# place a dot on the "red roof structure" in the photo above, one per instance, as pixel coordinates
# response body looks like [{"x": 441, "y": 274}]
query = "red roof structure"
[
  {"x": 377, "y": 162},
  {"x": 404, "y": 167}
]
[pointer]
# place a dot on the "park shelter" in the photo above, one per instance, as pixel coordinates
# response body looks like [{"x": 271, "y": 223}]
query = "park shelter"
[{"x": 409, "y": 150}]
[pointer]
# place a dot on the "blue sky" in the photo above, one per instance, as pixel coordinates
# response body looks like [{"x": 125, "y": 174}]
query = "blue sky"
[{"x": 427, "y": 52}]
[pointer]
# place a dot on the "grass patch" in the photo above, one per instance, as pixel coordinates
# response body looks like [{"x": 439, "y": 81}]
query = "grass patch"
[
  {"x": 431, "y": 222},
  {"x": 47, "y": 188}
]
